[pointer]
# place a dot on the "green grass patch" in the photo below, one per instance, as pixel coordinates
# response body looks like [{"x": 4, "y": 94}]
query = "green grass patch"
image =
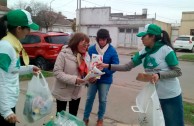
[
  {"x": 187, "y": 57},
  {"x": 189, "y": 113},
  {"x": 29, "y": 76},
  {"x": 132, "y": 53}
]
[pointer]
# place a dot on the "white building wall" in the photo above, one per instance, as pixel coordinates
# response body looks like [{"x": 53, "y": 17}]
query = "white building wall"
[
  {"x": 92, "y": 19},
  {"x": 95, "y": 16}
]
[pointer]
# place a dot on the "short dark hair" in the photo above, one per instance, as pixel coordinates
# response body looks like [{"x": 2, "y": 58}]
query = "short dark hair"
[
  {"x": 76, "y": 39},
  {"x": 103, "y": 34}
]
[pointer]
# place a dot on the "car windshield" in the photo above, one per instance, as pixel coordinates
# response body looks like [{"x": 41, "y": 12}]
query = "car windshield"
[
  {"x": 183, "y": 38},
  {"x": 57, "y": 39}
]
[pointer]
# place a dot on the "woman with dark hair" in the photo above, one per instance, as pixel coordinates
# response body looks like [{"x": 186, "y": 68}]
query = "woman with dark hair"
[
  {"x": 159, "y": 60},
  {"x": 102, "y": 85},
  {"x": 15, "y": 25},
  {"x": 70, "y": 68}
]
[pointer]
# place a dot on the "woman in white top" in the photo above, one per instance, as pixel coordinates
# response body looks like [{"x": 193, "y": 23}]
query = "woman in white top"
[
  {"x": 159, "y": 60},
  {"x": 15, "y": 25}
]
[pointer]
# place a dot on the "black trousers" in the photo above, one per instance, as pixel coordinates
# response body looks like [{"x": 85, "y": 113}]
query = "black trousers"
[
  {"x": 3, "y": 122},
  {"x": 73, "y": 106}
]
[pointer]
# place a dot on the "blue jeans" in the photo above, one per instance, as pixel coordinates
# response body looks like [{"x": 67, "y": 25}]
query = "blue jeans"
[
  {"x": 173, "y": 111},
  {"x": 103, "y": 90}
]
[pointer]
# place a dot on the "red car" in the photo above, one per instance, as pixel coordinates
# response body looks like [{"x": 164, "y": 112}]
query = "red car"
[{"x": 43, "y": 48}]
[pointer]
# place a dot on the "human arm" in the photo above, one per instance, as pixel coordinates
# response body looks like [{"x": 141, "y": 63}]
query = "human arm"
[
  {"x": 117, "y": 67},
  {"x": 29, "y": 69},
  {"x": 5, "y": 109},
  {"x": 12, "y": 118},
  {"x": 6, "y": 54},
  {"x": 63, "y": 76},
  {"x": 174, "y": 71},
  {"x": 113, "y": 59}
]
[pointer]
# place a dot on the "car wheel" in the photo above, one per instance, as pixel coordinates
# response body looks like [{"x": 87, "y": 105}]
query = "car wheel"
[{"x": 41, "y": 63}]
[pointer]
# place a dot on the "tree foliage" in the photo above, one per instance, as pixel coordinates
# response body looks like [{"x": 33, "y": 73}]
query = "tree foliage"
[
  {"x": 73, "y": 26},
  {"x": 41, "y": 13}
]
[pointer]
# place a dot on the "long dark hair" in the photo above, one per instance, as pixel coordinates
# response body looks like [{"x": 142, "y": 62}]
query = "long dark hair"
[
  {"x": 164, "y": 38},
  {"x": 3, "y": 26}
]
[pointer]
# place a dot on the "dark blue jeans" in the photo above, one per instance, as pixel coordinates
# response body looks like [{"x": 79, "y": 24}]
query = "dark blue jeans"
[
  {"x": 173, "y": 111},
  {"x": 103, "y": 90}
]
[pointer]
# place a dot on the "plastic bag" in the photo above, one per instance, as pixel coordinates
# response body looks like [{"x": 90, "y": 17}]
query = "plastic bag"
[
  {"x": 39, "y": 99},
  {"x": 65, "y": 119},
  {"x": 148, "y": 107}
]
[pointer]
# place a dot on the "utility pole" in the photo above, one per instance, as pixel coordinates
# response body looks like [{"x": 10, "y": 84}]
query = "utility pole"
[
  {"x": 50, "y": 4},
  {"x": 79, "y": 11}
]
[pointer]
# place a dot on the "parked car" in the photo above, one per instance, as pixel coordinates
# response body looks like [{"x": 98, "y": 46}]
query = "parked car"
[
  {"x": 184, "y": 42},
  {"x": 43, "y": 48}
]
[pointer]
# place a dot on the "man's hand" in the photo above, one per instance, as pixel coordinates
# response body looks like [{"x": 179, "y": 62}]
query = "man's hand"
[{"x": 12, "y": 118}]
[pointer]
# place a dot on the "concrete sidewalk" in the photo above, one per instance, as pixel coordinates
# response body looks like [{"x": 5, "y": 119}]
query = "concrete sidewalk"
[
  {"x": 118, "y": 111},
  {"x": 120, "y": 99},
  {"x": 118, "y": 107}
]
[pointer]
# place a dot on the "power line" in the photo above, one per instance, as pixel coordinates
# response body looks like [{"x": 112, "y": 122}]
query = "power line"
[
  {"x": 151, "y": 4},
  {"x": 65, "y": 4}
]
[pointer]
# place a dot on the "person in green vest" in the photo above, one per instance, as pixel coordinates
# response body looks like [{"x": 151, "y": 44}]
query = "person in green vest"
[
  {"x": 15, "y": 25},
  {"x": 159, "y": 60}
]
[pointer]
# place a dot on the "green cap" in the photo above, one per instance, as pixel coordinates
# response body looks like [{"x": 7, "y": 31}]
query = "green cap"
[
  {"x": 21, "y": 18},
  {"x": 150, "y": 29}
]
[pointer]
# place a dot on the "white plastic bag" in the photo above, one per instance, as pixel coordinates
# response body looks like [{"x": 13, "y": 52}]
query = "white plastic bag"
[
  {"x": 148, "y": 107},
  {"x": 39, "y": 99}
]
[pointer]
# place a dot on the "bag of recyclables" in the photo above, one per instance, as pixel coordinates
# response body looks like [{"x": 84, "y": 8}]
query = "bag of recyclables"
[
  {"x": 148, "y": 107},
  {"x": 39, "y": 100},
  {"x": 65, "y": 119}
]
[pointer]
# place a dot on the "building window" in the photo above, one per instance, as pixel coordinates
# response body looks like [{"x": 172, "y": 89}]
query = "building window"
[
  {"x": 135, "y": 30},
  {"x": 121, "y": 30},
  {"x": 192, "y": 32},
  {"x": 128, "y": 30}
]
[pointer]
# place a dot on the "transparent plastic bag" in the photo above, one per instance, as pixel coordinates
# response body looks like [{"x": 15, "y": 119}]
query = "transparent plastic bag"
[
  {"x": 65, "y": 119},
  {"x": 148, "y": 107},
  {"x": 39, "y": 99}
]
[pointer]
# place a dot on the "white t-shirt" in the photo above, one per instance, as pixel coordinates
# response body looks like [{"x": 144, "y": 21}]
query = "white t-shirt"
[{"x": 160, "y": 61}]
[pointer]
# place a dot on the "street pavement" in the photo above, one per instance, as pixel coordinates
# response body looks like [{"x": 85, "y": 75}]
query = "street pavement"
[
  {"x": 118, "y": 107},
  {"x": 120, "y": 99}
]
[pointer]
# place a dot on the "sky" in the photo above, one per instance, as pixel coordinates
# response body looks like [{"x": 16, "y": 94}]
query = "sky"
[{"x": 169, "y": 11}]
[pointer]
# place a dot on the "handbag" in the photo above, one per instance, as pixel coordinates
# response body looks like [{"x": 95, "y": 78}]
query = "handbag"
[
  {"x": 39, "y": 100},
  {"x": 148, "y": 107}
]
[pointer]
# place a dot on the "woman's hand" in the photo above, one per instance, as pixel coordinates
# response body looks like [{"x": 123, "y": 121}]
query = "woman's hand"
[
  {"x": 79, "y": 81},
  {"x": 101, "y": 66},
  {"x": 36, "y": 70},
  {"x": 154, "y": 78},
  {"x": 12, "y": 118},
  {"x": 92, "y": 80}
]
